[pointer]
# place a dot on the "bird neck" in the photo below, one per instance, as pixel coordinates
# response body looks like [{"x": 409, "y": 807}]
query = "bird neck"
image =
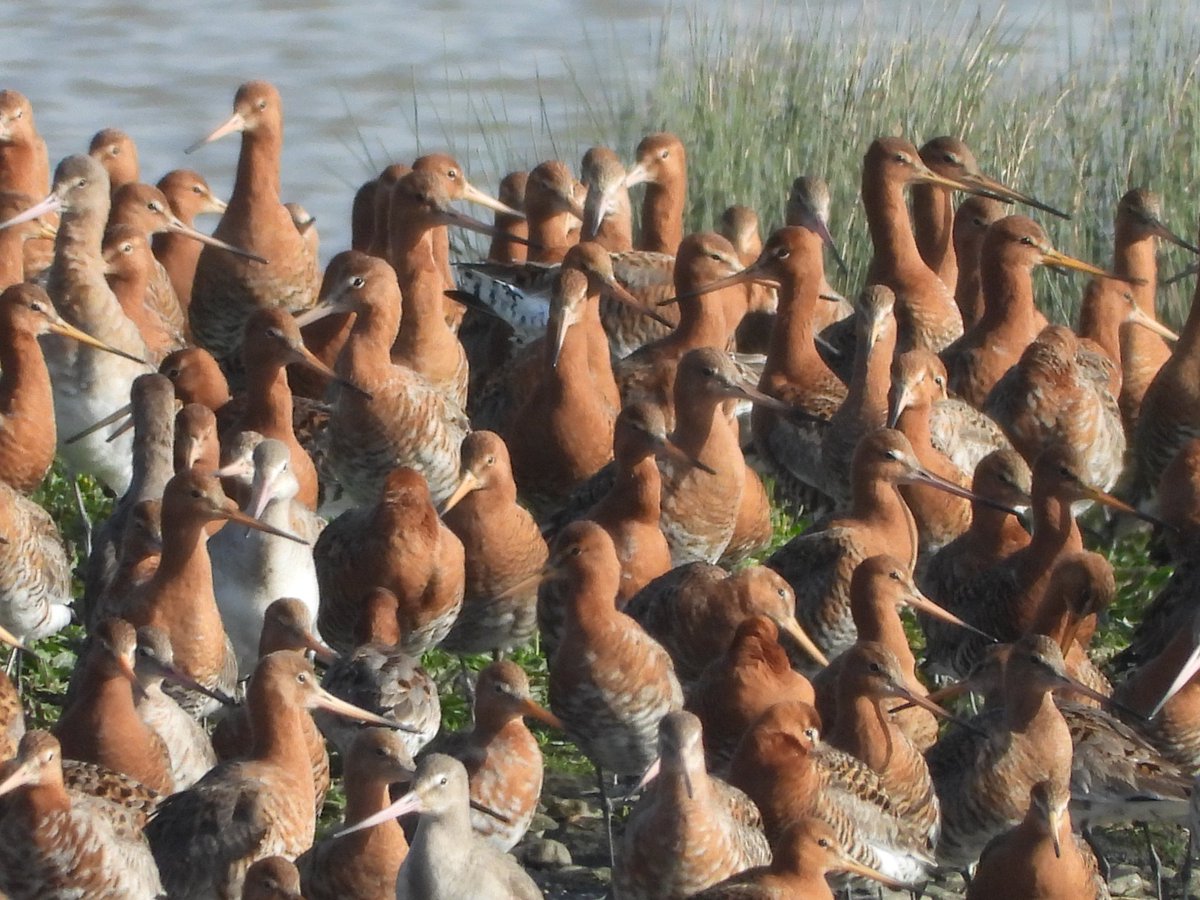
[
  {"x": 662, "y": 215},
  {"x": 792, "y": 351},
  {"x": 25, "y": 380},
  {"x": 258, "y": 166},
  {"x": 933, "y": 223},
  {"x": 1135, "y": 256}
]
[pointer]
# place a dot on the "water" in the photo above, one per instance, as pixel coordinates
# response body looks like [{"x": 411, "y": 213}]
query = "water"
[{"x": 367, "y": 82}]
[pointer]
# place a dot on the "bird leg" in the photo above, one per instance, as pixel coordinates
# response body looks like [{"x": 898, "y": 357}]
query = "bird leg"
[
  {"x": 1101, "y": 859},
  {"x": 1155, "y": 861},
  {"x": 84, "y": 518},
  {"x": 606, "y": 805}
]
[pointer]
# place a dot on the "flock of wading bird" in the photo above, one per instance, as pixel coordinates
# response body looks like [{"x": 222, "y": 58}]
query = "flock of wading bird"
[{"x": 232, "y": 398}]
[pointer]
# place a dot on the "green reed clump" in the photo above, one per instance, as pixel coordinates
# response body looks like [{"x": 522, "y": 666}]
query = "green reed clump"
[{"x": 760, "y": 102}]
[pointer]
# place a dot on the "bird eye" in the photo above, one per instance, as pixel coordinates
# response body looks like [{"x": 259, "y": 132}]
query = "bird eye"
[
  {"x": 894, "y": 575},
  {"x": 900, "y": 158},
  {"x": 262, "y": 104},
  {"x": 114, "y": 150},
  {"x": 302, "y": 678},
  {"x": 357, "y": 282},
  {"x": 823, "y": 843},
  {"x": 716, "y": 256},
  {"x": 491, "y": 460},
  {"x": 1027, "y": 241},
  {"x": 876, "y": 667},
  {"x": 663, "y": 154},
  {"x": 892, "y": 454},
  {"x": 451, "y": 174},
  {"x": 173, "y": 373},
  {"x": 197, "y": 494},
  {"x": 939, "y": 381},
  {"x": 155, "y": 205},
  {"x": 36, "y": 307},
  {"x": 576, "y": 550},
  {"x": 81, "y": 182},
  {"x": 19, "y": 113},
  {"x": 127, "y": 247},
  {"x": 783, "y": 253},
  {"x": 443, "y": 780},
  {"x": 811, "y": 734},
  {"x": 710, "y": 371},
  {"x": 499, "y": 688},
  {"x": 274, "y": 332},
  {"x": 380, "y": 751},
  {"x": 196, "y": 189},
  {"x": 782, "y": 592}
]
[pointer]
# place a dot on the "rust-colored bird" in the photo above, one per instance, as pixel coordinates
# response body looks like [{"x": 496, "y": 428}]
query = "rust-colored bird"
[
  {"x": 255, "y": 807},
  {"x": 933, "y": 208},
  {"x": 819, "y": 564},
  {"x": 363, "y": 864},
  {"x": 101, "y": 725},
  {"x": 738, "y": 686},
  {"x": 1041, "y": 858},
  {"x": 1012, "y": 247},
  {"x": 227, "y": 288},
  {"x": 502, "y": 757},
  {"x": 503, "y": 549},
  {"x": 688, "y": 830},
  {"x": 57, "y": 843},
  {"x": 695, "y": 609},
  {"x": 398, "y": 543},
  {"x": 189, "y": 196}
]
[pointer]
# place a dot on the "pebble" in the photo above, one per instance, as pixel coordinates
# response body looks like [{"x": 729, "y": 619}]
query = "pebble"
[{"x": 545, "y": 853}]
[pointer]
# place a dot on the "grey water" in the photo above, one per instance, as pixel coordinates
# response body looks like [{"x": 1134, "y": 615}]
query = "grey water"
[{"x": 368, "y": 82}]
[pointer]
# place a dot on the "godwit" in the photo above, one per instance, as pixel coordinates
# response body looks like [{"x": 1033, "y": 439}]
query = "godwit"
[
  {"x": 255, "y": 807},
  {"x": 188, "y": 748},
  {"x": 700, "y": 511},
  {"x": 688, "y": 830},
  {"x": 380, "y": 674},
  {"x": 502, "y": 757},
  {"x": 363, "y": 864},
  {"x": 610, "y": 682},
  {"x": 446, "y": 861},
  {"x": 694, "y": 610},
  {"x": 128, "y": 266},
  {"x": 88, "y": 385},
  {"x": 251, "y": 569},
  {"x": 502, "y": 547},
  {"x": 398, "y": 543},
  {"x": 740, "y": 684},
  {"x": 400, "y": 418},
  {"x": 101, "y": 725},
  {"x": 117, "y": 152},
  {"x": 1010, "y": 321},
  {"x": 983, "y": 780},
  {"x": 804, "y": 855},
  {"x": 786, "y": 769},
  {"x": 1063, "y": 394},
  {"x": 933, "y": 208},
  {"x": 926, "y": 315},
  {"x": 866, "y": 405},
  {"x": 1041, "y": 858},
  {"x": 818, "y": 565},
  {"x": 1138, "y": 229},
  {"x": 226, "y": 288},
  {"x": 61, "y": 844},
  {"x": 662, "y": 166},
  {"x": 189, "y": 196},
  {"x": 971, "y": 221}
]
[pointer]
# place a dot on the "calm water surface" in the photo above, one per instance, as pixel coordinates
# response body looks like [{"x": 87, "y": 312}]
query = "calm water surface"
[{"x": 365, "y": 82}]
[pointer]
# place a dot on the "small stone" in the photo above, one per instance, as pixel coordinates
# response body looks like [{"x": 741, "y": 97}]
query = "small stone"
[
  {"x": 1125, "y": 883},
  {"x": 541, "y": 823},
  {"x": 570, "y": 809},
  {"x": 545, "y": 853}
]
